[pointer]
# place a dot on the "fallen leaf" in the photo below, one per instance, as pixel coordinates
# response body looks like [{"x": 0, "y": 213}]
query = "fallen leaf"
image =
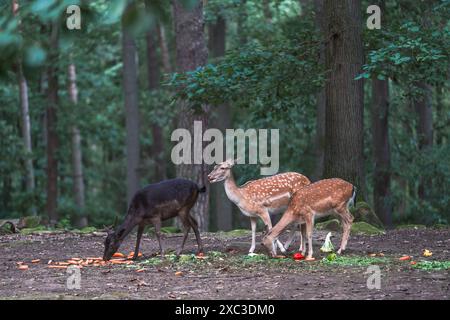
[{"x": 427, "y": 253}]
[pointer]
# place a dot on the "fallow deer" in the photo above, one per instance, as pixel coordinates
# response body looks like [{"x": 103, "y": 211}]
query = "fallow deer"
[
  {"x": 322, "y": 198},
  {"x": 259, "y": 198},
  {"x": 153, "y": 204}
]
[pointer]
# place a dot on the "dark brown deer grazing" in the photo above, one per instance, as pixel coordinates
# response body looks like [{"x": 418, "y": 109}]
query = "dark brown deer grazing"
[
  {"x": 151, "y": 205},
  {"x": 322, "y": 198}
]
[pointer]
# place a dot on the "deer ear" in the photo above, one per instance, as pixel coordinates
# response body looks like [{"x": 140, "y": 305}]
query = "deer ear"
[{"x": 230, "y": 162}]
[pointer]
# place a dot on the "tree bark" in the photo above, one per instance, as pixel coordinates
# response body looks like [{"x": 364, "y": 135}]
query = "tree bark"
[
  {"x": 344, "y": 95},
  {"x": 241, "y": 20},
  {"x": 222, "y": 121},
  {"x": 153, "y": 76},
  {"x": 381, "y": 151},
  {"x": 26, "y": 126},
  {"x": 52, "y": 137},
  {"x": 424, "y": 111},
  {"x": 165, "y": 56},
  {"x": 191, "y": 52},
  {"x": 321, "y": 96},
  {"x": 81, "y": 220},
  {"x": 130, "y": 91}
]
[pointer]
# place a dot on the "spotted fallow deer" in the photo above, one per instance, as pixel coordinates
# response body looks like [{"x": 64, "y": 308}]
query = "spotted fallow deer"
[
  {"x": 322, "y": 198},
  {"x": 258, "y": 199}
]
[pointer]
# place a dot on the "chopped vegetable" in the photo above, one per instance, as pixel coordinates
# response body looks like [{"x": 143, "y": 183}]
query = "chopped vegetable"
[
  {"x": 328, "y": 245},
  {"x": 405, "y": 258},
  {"x": 427, "y": 253}
]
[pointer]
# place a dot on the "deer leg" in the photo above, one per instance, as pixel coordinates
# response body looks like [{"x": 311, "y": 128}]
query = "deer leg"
[
  {"x": 187, "y": 226},
  {"x": 157, "y": 224},
  {"x": 303, "y": 238},
  {"x": 309, "y": 230},
  {"x": 253, "y": 225},
  {"x": 292, "y": 236},
  {"x": 138, "y": 240},
  {"x": 272, "y": 236},
  {"x": 268, "y": 223},
  {"x": 347, "y": 220},
  {"x": 194, "y": 226}
]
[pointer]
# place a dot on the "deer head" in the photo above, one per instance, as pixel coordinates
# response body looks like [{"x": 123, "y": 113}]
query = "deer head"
[
  {"x": 112, "y": 243},
  {"x": 221, "y": 171}
]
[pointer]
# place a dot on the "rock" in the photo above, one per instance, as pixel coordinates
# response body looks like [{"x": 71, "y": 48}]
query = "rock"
[
  {"x": 365, "y": 229},
  {"x": 330, "y": 225},
  {"x": 364, "y": 213}
]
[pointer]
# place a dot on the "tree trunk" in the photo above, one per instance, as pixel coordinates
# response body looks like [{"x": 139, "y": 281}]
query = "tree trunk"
[
  {"x": 191, "y": 52},
  {"x": 381, "y": 151},
  {"x": 423, "y": 107},
  {"x": 26, "y": 126},
  {"x": 241, "y": 20},
  {"x": 165, "y": 57},
  {"x": 52, "y": 138},
  {"x": 222, "y": 121},
  {"x": 130, "y": 91},
  {"x": 344, "y": 95},
  {"x": 153, "y": 76},
  {"x": 81, "y": 220},
  {"x": 267, "y": 11},
  {"x": 319, "y": 144}
]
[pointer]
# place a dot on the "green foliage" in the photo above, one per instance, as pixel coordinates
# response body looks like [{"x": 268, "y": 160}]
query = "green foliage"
[
  {"x": 354, "y": 261},
  {"x": 432, "y": 265}
]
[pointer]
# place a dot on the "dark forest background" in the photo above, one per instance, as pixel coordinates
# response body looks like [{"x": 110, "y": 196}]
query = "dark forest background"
[{"x": 86, "y": 115}]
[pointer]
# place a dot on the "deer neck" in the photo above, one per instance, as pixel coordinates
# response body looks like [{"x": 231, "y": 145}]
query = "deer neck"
[{"x": 232, "y": 190}]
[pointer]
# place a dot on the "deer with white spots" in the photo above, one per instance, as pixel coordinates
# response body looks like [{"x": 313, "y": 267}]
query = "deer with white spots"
[
  {"x": 319, "y": 199},
  {"x": 258, "y": 199}
]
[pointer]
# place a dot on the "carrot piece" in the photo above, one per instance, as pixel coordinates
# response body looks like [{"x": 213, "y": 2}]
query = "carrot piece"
[
  {"x": 140, "y": 270},
  {"x": 23, "y": 267},
  {"x": 178, "y": 273},
  {"x": 118, "y": 255},
  {"x": 405, "y": 258},
  {"x": 36, "y": 261}
]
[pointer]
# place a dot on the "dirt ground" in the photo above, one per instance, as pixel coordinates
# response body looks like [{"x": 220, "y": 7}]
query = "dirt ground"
[{"x": 227, "y": 272}]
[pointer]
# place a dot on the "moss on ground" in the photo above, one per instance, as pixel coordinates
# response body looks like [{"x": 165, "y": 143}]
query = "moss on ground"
[
  {"x": 365, "y": 228},
  {"x": 411, "y": 226}
]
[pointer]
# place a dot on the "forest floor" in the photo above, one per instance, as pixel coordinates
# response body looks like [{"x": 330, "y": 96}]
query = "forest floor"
[{"x": 227, "y": 272}]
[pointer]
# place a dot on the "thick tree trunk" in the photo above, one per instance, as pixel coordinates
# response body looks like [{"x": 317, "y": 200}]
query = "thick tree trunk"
[
  {"x": 81, "y": 220},
  {"x": 153, "y": 77},
  {"x": 130, "y": 91},
  {"x": 344, "y": 95},
  {"x": 423, "y": 107},
  {"x": 52, "y": 138},
  {"x": 381, "y": 151},
  {"x": 26, "y": 126},
  {"x": 222, "y": 121},
  {"x": 319, "y": 145},
  {"x": 191, "y": 52},
  {"x": 165, "y": 56}
]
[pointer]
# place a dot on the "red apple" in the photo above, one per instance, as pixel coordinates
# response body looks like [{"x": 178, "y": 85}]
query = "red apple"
[{"x": 298, "y": 256}]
